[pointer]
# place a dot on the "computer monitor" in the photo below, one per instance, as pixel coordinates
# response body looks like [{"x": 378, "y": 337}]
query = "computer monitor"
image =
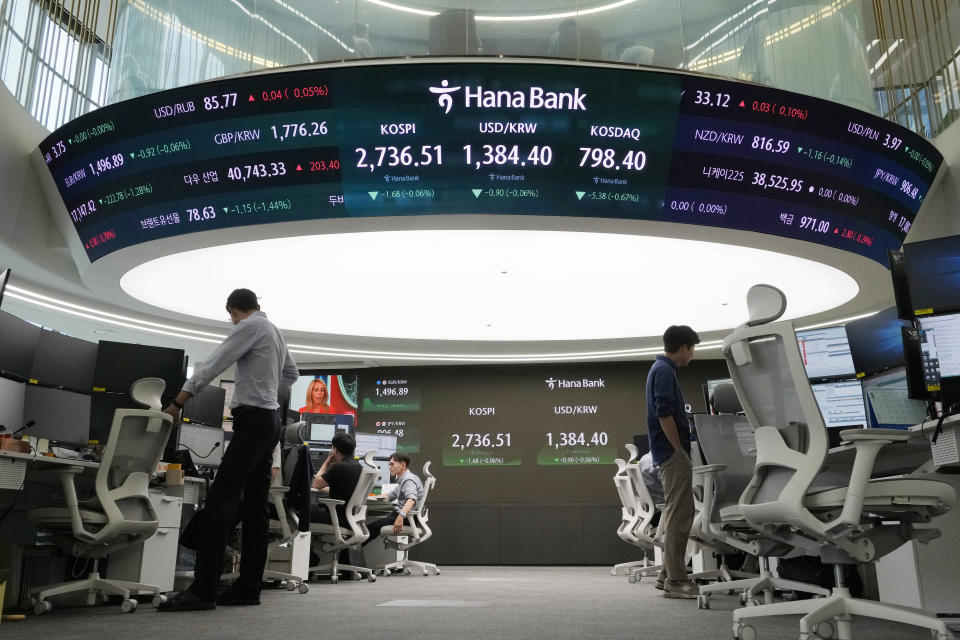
[
  {"x": 933, "y": 275},
  {"x": 384, "y": 445},
  {"x": 102, "y": 408},
  {"x": 63, "y": 361},
  {"x": 58, "y": 414},
  {"x": 11, "y": 404},
  {"x": 841, "y": 404},
  {"x": 320, "y": 428},
  {"x": 901, "y": 284},
  {"x": 18, "y": 343},
  {"x": 227, "y": 386},
  {"x": 826, "y": 352},
  {"x": 887, "y": 401},
  {"x": 204, "y": 443},
  {"x": 876, "y": 342},
  {"x": 120, "y": 364},
  {"x": 4, "y": 277},
  {"x": 923, "y": 376},
  {"x": 941, "y": 336},
  {"x": 206, "y": 407}
]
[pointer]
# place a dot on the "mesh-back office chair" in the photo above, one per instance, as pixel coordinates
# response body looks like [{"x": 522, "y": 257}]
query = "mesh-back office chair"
[
  {"x": 636, "y": 526},
  {"x": 120, "y": 513},
  {"x": 331, "y": 538},
  {"x": 411, "y": 535},
  {"x": 857, "y": 521},
  {"x": 727, "y": 441}
]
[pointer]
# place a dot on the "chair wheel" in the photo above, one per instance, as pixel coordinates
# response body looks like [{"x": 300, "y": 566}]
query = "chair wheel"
[
  {"x": 128, "y": 606},
  {"x": 824, "y": 629},
  {"x": 371, "y": 577},
  {"x": 290, "y": 585},
  {"x": 334, "y": 579},
  {"x": 752, "y": 602},
  {"x": 632, "y": 579},
  {"x": 303, "y": 587},
  {"x": 355, "y": 577},
  {"x": 436, "y": 572},
  {"x": 425, "y": 573},
  {"x": 613, "y": 572},
  {"x": 406, "y": 571},
  {"x": 41, "y": 607},
  {"x": 744, "y": 632},
  {"x": 159, "y": 599},
  {"x": 703, "y": 601}
]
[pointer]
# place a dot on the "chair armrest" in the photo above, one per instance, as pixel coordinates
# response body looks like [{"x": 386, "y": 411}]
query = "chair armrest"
[
  {"x": 709, "y": 468},
  {"x": 893, "y": 435},
  {"x": 70, "y": 495},
  {"x": 329, "y": 501}
]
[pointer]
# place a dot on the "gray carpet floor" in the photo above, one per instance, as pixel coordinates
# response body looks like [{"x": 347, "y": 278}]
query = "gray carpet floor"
[{"x": 479, "y": 603}]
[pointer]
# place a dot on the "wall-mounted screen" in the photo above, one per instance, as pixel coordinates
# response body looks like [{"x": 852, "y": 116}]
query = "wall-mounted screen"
[
  {"x": 826, "y": 352},
  {"x": 876, "y": 343},
  {"x": 483, "y": 137},
  {"x": 933, "y": 275},
  {"x": 324, "y": 392}
]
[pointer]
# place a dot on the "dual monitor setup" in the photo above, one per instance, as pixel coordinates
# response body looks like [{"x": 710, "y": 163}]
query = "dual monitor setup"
[
  {"x": 885, "y": 370},
  {"x": 320, "y": 428}
]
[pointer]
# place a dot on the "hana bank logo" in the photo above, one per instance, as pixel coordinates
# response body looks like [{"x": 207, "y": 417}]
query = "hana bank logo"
[
  {"x": 444, "y": 97},
  {"x": 551, "y": 383}
]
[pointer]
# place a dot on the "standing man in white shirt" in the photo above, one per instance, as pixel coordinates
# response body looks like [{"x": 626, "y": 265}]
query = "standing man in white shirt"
[{"x": 265, "y": 371}]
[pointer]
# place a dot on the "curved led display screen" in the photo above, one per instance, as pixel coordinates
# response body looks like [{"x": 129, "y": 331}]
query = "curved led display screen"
[{"x": 482, "y": 137}]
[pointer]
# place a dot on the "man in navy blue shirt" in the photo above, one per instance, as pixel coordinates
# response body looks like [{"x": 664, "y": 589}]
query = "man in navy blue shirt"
[{"x": 669, "y": 434}]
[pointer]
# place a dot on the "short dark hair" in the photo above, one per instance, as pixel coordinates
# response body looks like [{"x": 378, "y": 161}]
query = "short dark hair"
[
  {"x": 401, "y": 457},
  {"x": 677, "y": 336},
  {"x": 344, "y": 443},
  {"x": 242, "y": 300}
]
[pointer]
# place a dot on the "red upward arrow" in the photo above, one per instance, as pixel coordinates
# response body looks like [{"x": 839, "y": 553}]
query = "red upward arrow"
[
  {"x": 741, "y": 102},
  {"x": 252, "y": 100},
  {"x": 299, "y": 168}
]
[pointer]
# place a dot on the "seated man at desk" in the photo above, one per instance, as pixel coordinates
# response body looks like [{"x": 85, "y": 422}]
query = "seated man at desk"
[
  {"x": 407, "y": 495},
  {"x": 338, "y": 475}
]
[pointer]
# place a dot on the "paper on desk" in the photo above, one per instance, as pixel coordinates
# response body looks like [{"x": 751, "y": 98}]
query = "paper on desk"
[
  {"x": 945, "y": 450},
  {"x": 892, "y": 406}
]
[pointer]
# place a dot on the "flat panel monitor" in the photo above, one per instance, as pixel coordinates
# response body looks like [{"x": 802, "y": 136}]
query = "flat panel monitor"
[
  {"x": 227, "y": 386},
  {"x": 102, "y": 408},
  {"x": 887, "y": 400},
  {"x": 318, "y": 392},
  {"x": 941, "y": 350},
  {"x": 206, "y": 407},
  {"x": 923, "y": 376},
  {"x": 59, "y": 414},
  {"x": 18, "y": 343},
  {"x": 876, "y": 343},
  {"x": 11, "y": 404},
  {"x": 841, "y": 404},
  {"x": 320, "y": 428},
  {"x": 63, "y": 361},
  {"x": 826, "y": 352},
  {"x": 384, "y": 445},
  {"x": 4, "y": 277},
  {"x": 933, "y": 275},
  {"x": 901, "y": 285},
  {"x": 204, "y": 443},
  {"x": 120, "y": 364}
]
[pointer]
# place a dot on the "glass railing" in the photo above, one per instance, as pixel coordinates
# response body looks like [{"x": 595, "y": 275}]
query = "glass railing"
[{"x": 895, "y": 58}]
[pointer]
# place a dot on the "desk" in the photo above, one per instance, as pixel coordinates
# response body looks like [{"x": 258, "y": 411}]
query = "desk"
[{"x": 14, "y": 466}]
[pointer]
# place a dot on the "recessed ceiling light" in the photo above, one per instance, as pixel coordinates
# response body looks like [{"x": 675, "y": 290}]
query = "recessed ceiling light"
[{"x": 434, "y": 285}]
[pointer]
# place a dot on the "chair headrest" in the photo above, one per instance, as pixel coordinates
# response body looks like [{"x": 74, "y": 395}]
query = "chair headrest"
[
  {"x": 724, "y": 399},
  {"x": 147, "y": 391},
  {"x": 368, "y": 459},
  {"x": 765, "y": 303},
  {"x": 293, "y": 433},
  {"x": 426, "y": 469},
  {"x": 633, "y": 451}
]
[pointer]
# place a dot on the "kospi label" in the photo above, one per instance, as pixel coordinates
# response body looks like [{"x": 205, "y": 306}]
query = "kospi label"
[{"x": 481, "y": 411}]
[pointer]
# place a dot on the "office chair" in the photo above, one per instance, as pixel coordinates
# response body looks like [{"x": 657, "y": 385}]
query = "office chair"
[
  {"x": 637, "y": 514},
  {"x": 331, "y": 538},
  {"x": 120, "y": 513},
  {"x": 855, "y": 521},
  {"x": 417, "y": 533},
  {"x": 727, "y": 441}
]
